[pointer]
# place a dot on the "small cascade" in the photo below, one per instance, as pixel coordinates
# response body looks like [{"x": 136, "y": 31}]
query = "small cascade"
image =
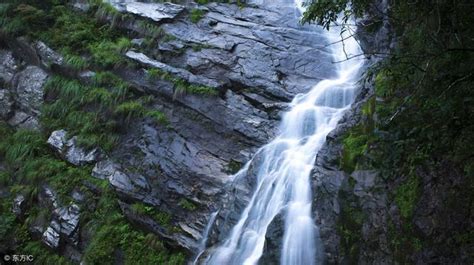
[{"x": 205, "y": 235}]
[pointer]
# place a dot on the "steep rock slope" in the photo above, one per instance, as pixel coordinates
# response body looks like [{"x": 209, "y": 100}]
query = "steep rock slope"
[{"x": 220, "y": 74}]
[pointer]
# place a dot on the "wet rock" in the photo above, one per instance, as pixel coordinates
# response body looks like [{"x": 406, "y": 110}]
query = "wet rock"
[
  {"x": 154, "y": 11},
  {"x": 278, "y": 56},
  {"x": 29, "y": 89},
  {"x": 273, "y": 241},
  {"x": 19, "y": 205},
  {"x": 69, "y": 149}
]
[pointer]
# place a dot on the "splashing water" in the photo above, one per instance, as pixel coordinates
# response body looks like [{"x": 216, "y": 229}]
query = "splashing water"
[{"x": 283, "y": 175}]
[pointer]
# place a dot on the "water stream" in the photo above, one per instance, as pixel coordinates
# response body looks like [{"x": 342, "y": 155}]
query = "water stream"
[{"x": 283, "y": 177}]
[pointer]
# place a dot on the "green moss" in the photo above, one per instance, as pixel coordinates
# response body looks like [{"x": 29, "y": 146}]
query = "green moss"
[
  {"x": 160, "y": 217},
  {"x": 381, "y": 84},
  {"x": 187, "y": 205},
  {"x": 355, "y": 145},
  {"x": 406, "y": 196},
  {"x": 233, "y": 167},
  {"x": 158, "y": 116},
  {"x": 196, "y": 15},
  {"x": 349, "y": 227}
]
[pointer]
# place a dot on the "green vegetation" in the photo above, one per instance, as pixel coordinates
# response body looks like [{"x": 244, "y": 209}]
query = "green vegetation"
[
  {"x": 187, "y": 205},
  {"x": 406, "y": 196},
  {"x": 355, "y": 146},
  {"x": 181, "y": 87},
  {"x": 349, "y": 227},
  {"x": 160, "y": 217},
  {"x": 233, "y": 167},
  {"x": 196, "y": 15},
  {"x": 107, "y": 54},
  {"x": 31, "y": 163},
  {"x": 94, "y": 111},
  {"x": 113, "y": 232},
  {"x": 421, "y": 118}
]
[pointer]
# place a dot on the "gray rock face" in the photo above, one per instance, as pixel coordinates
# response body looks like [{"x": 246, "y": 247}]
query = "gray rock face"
[
  {"x": 133, "y": 185},
  {"x": 70, "y": 151},
  {"x": 257, "y": 57},
  {"x": 154, "y": 11},
  {"x": 29, "y": 89},
  {"x": 261, "y": 47},
  {"x": 181, "y": 73}
]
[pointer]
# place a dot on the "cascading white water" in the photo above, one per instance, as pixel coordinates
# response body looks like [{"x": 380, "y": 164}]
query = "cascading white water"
[
  {"x": 283, "y": 176},
  {"x": 202, "y": 243}
]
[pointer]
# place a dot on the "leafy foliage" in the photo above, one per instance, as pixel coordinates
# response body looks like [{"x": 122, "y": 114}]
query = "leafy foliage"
[{"x": 423, "y": 109}]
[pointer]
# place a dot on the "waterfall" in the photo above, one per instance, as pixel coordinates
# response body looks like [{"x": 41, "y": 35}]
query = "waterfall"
[
  {"x": 283, "y": 184},
  {"x": 202, "y": 243}
]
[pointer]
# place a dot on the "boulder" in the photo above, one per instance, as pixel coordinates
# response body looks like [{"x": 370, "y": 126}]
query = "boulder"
[
  {"x": 48, "y": 56},
  {"x": 29, "y": 92},
  {"x": 8, "y": 66},
  {"x": 23, "y": 120}
]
